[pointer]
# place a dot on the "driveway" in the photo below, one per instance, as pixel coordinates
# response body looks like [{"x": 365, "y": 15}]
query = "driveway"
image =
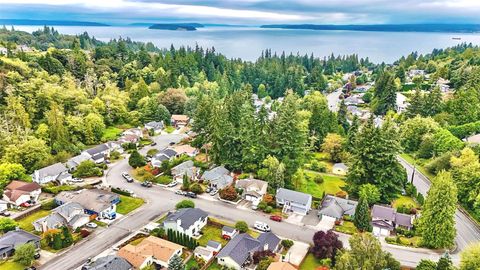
[{"x": 297, "y": 252}]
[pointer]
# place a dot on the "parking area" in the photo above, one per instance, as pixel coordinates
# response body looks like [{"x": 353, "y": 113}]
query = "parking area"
[{"x": 311, "y": 219}]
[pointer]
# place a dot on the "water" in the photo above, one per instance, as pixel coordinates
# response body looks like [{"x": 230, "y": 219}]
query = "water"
[{"x": 247, "y": 43}]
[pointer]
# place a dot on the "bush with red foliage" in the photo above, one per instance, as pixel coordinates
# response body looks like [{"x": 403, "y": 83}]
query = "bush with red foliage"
[
  {"x": 229, "y": 193},
  {"x": 260, "y": 255},
  {"x": 325, "y": 245}
]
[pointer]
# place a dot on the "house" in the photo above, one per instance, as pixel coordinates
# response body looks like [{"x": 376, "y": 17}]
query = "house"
[
  {"x": 23, "y": 48},
  {"x": 218, "y": 177},
  {"x": 3, "y": 51},
  {"x": 155, "y": 126},
  {"x": 401, "y": 103},
  {"x": 473, "y": 140},
  {"x": 98, "y": 153},
  {"x": 416, "y": 72},
  {"x": 443, "y": 84},
  {"x": 253, "y": 189},
  {"x": 214, "y": 246},
  {"x": 70, "y": 214},
  {"x": 164, "y": 155},
  {"x": 335, "y": 208},
  {"x": 12, "y": 239},
  {"x": 281, "y": 266},
  {"x": 354, "y": 100},
  {"x": 56, "y": 172},
  {"x": 186, "y": 150},
  {"x": 294, "y": 201},
  {"x": 203, "y": 253},
  {"x": 73, "y": 162},
  {"x": 110, "y": 262},
  {"x": 238, "y": 251},
  {"x": 189, "y": 221},
  {"x": 385, "y": 219},
  {"x": 179, "y": 120},
  {"x": 340, "y": 169},
  {"x": 185, "y": 168},
  {"x": 3, "y": 206},
  {"x": 96, "y": 202},
  {"x": 18, "y": 192},
  {"x": 133, "y": 131},
  {"x": 151, "y": 250},
  {"x": 229, "y": 232},
  {"x": 129, "y": 138}
]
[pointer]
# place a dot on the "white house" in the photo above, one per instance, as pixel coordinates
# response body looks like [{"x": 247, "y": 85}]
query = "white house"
[
  {"x": 55, "y": 172},
  {"x": 3, "y": 206},
  {"x": 385, "y": 219},
  {"x": 96, "y": 202},
  {"x": 160, "y": 157},
  {"x": 155, "y": 126},
  {"x": 18, "y": 192},
  {"x": 133, "y": 131},
  {"x": 189, "y": 221},
  {"x": 401, "y": 103},
  {"x": 294, "y": 201},
  {"x": 229, "y": 232},
  {"x": 253, "y": 189},
  {"x": 203, "y": 253}
]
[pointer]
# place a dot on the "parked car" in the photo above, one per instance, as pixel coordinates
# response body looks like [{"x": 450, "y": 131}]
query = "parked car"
[
  {"x": 76, "y": 180},
  {"x": 127, "y": 177},
  {"x": 208, "y": 190},
  {"x": 91, "y": 225},
  {"x": 179, "y": 192},
  {"x": 191, "y": 195},
  {"x": 31, "y": 268},
  {"x": 147, "y": 184},
  {"x": 261, "y": 226},
  {"x": 5, "y": 214},
  {"x": 36, "y": 256},
  {"x": 171, "y": 143},
  {"x": 276, "y": 218},
  {"x": 226, "y": 237},
  {"x": 172, "y": 184},
  {"x": 213, "y": 192},
  {"x": 153, "y": 144},
  {"x": 25, "y": 204}
]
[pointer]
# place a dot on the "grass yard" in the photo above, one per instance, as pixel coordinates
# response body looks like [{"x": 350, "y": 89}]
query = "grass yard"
[
  {"x": 214, "y": 266},
  {"x": 331, "y": 184},
  {"x": 347, "y": 227},
  {"x": 111, "y": 133},
  {"x": 404, "y": 241},
  {"x": 169, "y": 129},
  {"x": 405, "y": 201},
  {"x": 310, "y": 263},
  {"x": 128, "y": 204},
  {"x": 211, "y": 233},
  {"x": 11, "y": 265},
  {"x": 137, "y": 241},
  {"x": 163, "y": 180},
  {"x": 419, "y": 164},
  {"x": 26, "y": 222},
  {"x": 192, "y": 263}
]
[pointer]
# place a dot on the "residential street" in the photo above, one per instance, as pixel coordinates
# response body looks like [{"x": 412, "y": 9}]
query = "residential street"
[{"x": 159, "y": 201}]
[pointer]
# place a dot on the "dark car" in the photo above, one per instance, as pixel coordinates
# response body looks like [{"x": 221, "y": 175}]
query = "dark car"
[
  {"x": 153, "y": 144},
  {"x": 147, "y": 184},
  {"x": 171, "y": 143},
  {"x": 36, "y": 256},
  {"x": 191, "y": 195}
]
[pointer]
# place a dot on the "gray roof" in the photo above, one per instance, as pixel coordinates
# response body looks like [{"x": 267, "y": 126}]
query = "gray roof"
[
  {"x": 403, "y": 220},
  {"x": 97, "y": 149},
  {"x": 54, "y": 220},
  {"x": 110, "y": 262},
  {"x": 52, "y": 170},
  {"x": 240, "y": 247},
  {"x": 293, "y": 196},
  {"x": 76, "y": 160},
  {"x": 340, "y": 166},
  {"x": 12, "y": 239},
  {"x": 188, "y": 216},
  {"x": 222, "y": 181},
  {"x": 337, "y": 207},
  {"x": 161, "y": 157},
  {"x": 202, "y": 251},
  {"x": 154, "y": 124},
  {"x": 383, "y": 212},
  {"x": 228, "y": 229},
  {"x": 382, "y": 224},
  {"x": 68, "y": 210},
  {"x": 169, "y": 152},
  {"x": 213, "y": 244},
  {"x": 185, "y": 167},
  {"x": 215, "y": 173},
  {"x": 92, "y": 199}
]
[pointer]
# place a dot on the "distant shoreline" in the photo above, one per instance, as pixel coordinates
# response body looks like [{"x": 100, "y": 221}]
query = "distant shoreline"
[
  {"x": 49, "y": 23},
  {"x": 423, "y": 28}
]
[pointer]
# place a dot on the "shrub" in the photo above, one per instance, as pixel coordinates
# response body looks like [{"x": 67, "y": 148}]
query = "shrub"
[
  {"x": 229, "y": 193},
  {"x": 411, "y": 190},
  {"x": 262, "y": 254},
  {"x": 318, "y": 166},
  {"x": 262, "y": 205},
  {"x": 114, "y": 155},
  {"x": 152, "y": 152},
  {"x": 196, "y": 188},
  {"x": 136, "y": 160},
  {"x": 439, "y": 164},
  {"x": 269, "y": 199},
  {"x": 185, "y": 204},
  {"x": 268, "y": 209},
  {"x": 287, "y": 243},
  {"x": 87, "y": 168},
  {"x": 121, "y": 192},
  {"x": 420, "y": 199},
  {"x": 341, "y": 194},
  {"x": 318, "y": 179},
  {"x": 241, "y": 226},
  {"x": 49, "y": 205},
  {"x": 24, "y": 254}
]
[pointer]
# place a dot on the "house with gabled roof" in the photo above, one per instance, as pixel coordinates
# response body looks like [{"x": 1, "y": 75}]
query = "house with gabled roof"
[
  {"x": 155, "y": 126},
  {"x": 335, "y": 208},
  {"x": 185, "y": 168},
  {"x": 294, "y": 201},
  {"x": 13, "y": 239},
  {"x": 218, "y": 177},
  {"x": 110, "y": 262},
  {"x": 163, "y": 155},
  {"x": 238, "y": 252},
  {"x": 73, "y": 162},
  {"x": 189, "y": 221},
  {"x": 179, "y": 120},
  {"x": 253, "y": 189},
  {"x": 70, "y": 215},
  {"x": 97, "y": 202},
  {"x": 386, "y": 219},
  {"x": 55, "y": 172},
  {"x": 18, "y": 192}
]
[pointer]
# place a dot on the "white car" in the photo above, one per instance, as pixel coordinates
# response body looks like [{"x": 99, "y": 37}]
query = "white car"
[
  {"x": 91, "y": 225},
  {"x": 261, "y": 226},
  {"x": 76, "y": 180},
  {"x": 172, "y": 184}
]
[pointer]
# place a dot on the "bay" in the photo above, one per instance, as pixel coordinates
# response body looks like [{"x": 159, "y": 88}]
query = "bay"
[{"x": 248, "y": 42}]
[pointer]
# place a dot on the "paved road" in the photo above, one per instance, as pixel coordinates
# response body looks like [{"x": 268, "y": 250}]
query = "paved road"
[
  {"x": 467, "y": 231},
  {"x": 159, "y": 201},
  {"x": 333, "y": 100}
]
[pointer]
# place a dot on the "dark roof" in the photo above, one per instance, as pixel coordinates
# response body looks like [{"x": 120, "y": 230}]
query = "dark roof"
[
  {"x": 228, "y": 229},
  {"x": 403, "y": 220},
  {"x": 188, "y": 216},
  {"x": 269, "y": 240},
  {"x": 169, "y": 152},
  {"x": 382, "y": 224},
  {"x": 337, "y": 207},
  {"x": 110, "y": 262},
  {"x": 97, "y": 149},
  {"x": 12, "y": 239},
  {"x": 213, "y": 244},
  {"x": 383, "y": 212},
  {"x": 293, "y": 196}
]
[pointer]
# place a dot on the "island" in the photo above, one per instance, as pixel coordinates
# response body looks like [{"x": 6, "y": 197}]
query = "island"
[
  {"x": 176, "y": 26},
  {"x": 445, "y": 28}
]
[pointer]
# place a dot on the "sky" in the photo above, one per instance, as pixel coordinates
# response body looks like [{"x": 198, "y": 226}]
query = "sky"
[{"x": 248, "y": 12}]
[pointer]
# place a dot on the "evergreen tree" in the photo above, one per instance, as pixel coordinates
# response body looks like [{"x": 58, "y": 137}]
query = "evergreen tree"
[
  {"x": 175, "y": 263},
  {"x": 67, "y": 237},
  {"x": 57, "y": 241},
  {"x": 445, "y": 263},
  {"x": 342, "y": 116},
  {"x": 437, "y": 222},
  {"x": 385, "y": 93},
  {"x": 136, "y": 160},
  {"x": 362, "y": 216}
]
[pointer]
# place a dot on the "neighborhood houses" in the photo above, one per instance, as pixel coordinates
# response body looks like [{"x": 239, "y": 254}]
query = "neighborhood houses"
[
  {"x": 13, "y": 239},
  {"x": 19, "y": 192},
  {"x": 70, "y": 214},
  {"x": 97, "y": 202},
  {"x": 294, "y": 201},
  {"x": 189, "y": 221},
  {"x": 56, "y": 172}
]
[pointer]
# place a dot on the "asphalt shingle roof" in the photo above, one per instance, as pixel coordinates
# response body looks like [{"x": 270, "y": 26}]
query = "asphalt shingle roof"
[
  {"x": 188, "y": 216},
  {"x": 110, "y": 262},
  {"x": 293, "y": 196}
]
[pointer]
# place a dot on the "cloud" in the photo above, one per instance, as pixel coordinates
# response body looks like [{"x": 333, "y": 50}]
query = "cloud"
[{"x": 250, "y": 11}]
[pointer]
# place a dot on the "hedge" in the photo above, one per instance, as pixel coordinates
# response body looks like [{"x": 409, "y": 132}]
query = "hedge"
[
  {"x": 465, "y": 130},
  {"x": 121, "y": 192}
]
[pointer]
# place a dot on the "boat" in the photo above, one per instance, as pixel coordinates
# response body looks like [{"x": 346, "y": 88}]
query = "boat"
[{"x": 457, "y": 38}]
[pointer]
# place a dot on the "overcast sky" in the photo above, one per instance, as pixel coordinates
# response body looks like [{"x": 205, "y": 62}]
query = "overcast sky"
[{"x": 246, "y": 11}]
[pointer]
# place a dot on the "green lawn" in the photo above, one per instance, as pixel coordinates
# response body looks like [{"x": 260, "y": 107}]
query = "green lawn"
[
  {"x": 310, "y": 263},
  {"x": 111, "y": 133},
  {"x": 211, "y": 233},
  {"x": 163, "y": 179},
  {"x": 26, "y": 222},
  {"x": 128, "y": 204},
  {"x": 11, "y": 265},
  {"x": 419, "y": 165},
  {"x": 169, "y": 129},
  {"x": 347, "y": 227},
  {"x": 404, "y": 200},
  {"x": 191, "y": 263},
  {"x": 404, "y": 241},
  {"x": 214, "y": 266},
  {"x": 331, "y": 184}
]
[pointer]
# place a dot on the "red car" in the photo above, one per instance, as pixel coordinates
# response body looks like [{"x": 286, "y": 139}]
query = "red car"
[
  {"x": 25, "y": 204},
  {"x": 276, "y": 218}
]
